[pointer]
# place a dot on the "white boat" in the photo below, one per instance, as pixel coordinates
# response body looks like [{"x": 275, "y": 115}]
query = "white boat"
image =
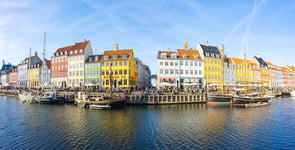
[
  {"x": 293, "y": 93},
  {"x": 26, "y": 96},
  {"x": 50, "y": 98},
  {"x": 95, "y": 106}
]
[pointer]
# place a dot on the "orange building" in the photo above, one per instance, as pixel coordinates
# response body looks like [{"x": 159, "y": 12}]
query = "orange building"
[
  {"x": 13, "y": 78},
  {"x": 285, "y": 77}
]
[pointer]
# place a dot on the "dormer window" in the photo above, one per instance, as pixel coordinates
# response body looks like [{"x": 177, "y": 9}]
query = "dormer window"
[
  {"x": 217, "y": 55},
  {"x": 164, "y": 55},
  {"x": 57, "y": 54},
  {"x": 81, "y": 50},
  {"x": 212, "y": 55},
  {"x": 196, "y": 58},
  {"x": 124, "y": 56},
  {"x": 115, "y": 56},
  {"x": 96, "y": 58},
  {"x": 173, "y": 56},
  {"x": 207, "y": 54},
  {"x": 184, "y": 56},
  {"x": 91, "y": 59},
  {"x": 76, "y": 51},
  {"x": 71, "y": 52},
  {"x": 66, "y": 52},
  {"x": 106, "y": 57}
]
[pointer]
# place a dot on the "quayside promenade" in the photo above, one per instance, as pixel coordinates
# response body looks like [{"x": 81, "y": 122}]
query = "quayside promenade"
[{"x": 134, "y": 98}]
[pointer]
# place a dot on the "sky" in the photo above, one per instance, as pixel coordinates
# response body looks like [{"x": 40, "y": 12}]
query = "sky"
[{"x": 147, "y": 26}]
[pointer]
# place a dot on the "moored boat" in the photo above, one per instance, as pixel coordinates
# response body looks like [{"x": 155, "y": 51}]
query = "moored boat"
[
  {"x": 50, "y": 98},
  {"x": 219, "y": 100}
]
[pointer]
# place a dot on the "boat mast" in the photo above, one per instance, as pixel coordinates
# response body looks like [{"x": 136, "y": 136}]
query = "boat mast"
[
  {"x": 245, "y": 69},
  {"x": 44, "y": 62},
  {"x": 222, "y": 69}
]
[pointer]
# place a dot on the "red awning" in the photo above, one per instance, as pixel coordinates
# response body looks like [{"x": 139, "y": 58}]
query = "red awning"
[
  {"x": 172, "y": 79},
  {"x": 161, "y": 79},
  {"x": 166, "y": 79}
]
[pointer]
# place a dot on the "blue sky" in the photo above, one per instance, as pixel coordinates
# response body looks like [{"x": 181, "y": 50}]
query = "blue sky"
[{"x": 266, "y": 26}]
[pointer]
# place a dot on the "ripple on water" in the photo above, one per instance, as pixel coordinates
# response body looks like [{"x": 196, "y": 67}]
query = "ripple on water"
[{"x": 25, "y": 126}]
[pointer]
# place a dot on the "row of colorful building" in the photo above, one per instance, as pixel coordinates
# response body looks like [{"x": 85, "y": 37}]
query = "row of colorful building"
[
  {"x": 207, "y": 65},
  {"x": 77, "y": 66}
]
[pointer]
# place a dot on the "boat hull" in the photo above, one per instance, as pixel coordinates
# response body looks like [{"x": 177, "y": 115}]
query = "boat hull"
[
  {"x": 244, "y": 101},
  {"x": 112, "y": 103},
  {"x": 219, "y": 100}
]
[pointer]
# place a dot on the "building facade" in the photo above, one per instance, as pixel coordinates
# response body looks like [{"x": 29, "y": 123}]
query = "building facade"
[
  {"x": 76, "y": 62},
  {"x": 59, "y": 67},
  {"x": 122, "y": 65},
  {"x": 34, "y": 75},
  {"x": 22, "y": 71},
  {"x": 13, "y": 78},
  {"x": 45, "y": 75},
  {"x": 140, "y": 77},
  {"x": 92, "y": 71},
  {"x": 229, "y": 73},
  {"x": 212, "y": 64}
]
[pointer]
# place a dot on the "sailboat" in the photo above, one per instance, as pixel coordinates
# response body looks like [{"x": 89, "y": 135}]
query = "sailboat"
[
  {"x": 220, "y": 99},
  {"x": 100, "y": 102},
  {"x": 246, "y": 100}
]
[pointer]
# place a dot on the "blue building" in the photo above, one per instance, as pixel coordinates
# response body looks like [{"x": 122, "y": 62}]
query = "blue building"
[{"x": 45, "y": 75}]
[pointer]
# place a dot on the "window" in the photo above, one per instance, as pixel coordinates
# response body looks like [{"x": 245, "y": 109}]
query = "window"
[
  {"x": 176, "y": 71},
  {"x": 191, "y": 71},
  {"x": 166, "y": 71},
  {"x": 106, "y": 57},
  {"x": 176, "y": 63},
  {"x": 186, "y": 63},
  {"x": 107, "y": 72},
  {"x": 200, "y": 72},
  {"x": 186, "y": 71},
  {"x": 166, "y": 63},
  {"x": 171, "y": 71},
  {"x": 125, "y": 63},
  {"x": 181, "y": 63},
  {"x": 102, "y": 72},
  {"x": 116, "y": 72},
  {"x": 115, "y": 56},
  {"x": 181, "y": 71},
  {"x": 196, "y": 72},
  {"x": 124, "y": 56},
  {"x": 205, "y": 76},
  {"x": 209, "y": 60},
  {"x": 196, "y": 63},
  {"x": 116, "y": 63},
  {"x": 205, "y": 60},
  {"x": 161, "y": 71},
  {"x": 120, "y": 72},
  {"x": 200, "y": 64},
  {"x": 120, "y": 63},
  {"x": 173, "y": 56},
  {"x": 184, "y": 56},
  {"x": 107, "y": 63},
  {"x": 125, "y": 81},
  {"x": 191, "y": 63},
  {"x": 164, "y": 55},
  {"x": 171, "y": 64},
  {"x": 125, "y": 71},
  {"x": 205, "y": 67},
  {"x": 161, "y": 63},
  {"x": 81, "y": 50}
]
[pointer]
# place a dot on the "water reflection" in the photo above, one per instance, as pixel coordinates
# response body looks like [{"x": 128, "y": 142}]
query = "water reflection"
[{"x": 187, "y": 126}]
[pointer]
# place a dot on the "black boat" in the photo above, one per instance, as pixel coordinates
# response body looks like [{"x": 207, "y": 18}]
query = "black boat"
[
  {"x": 219, "y": 99},
  {"x": 242, "y": 101}
]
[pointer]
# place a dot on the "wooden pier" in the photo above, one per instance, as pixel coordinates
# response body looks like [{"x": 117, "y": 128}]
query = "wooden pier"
[
  {"x": 10, "y": 93},
  {"x": 166, "y": 99}
]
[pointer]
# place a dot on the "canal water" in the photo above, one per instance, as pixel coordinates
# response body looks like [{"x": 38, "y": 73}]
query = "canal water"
[{"x": 187, "y": 126}]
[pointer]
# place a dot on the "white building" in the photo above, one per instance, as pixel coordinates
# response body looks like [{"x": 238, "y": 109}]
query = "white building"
[
  {"x": 76, "y": 62},
  {"x": 229, "y": 73},
  {"x": 181, "y": 68},
  {"x": 45, "y": 79}
]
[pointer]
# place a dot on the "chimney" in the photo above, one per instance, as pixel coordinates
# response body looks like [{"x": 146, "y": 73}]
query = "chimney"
[
  {"x": 185, "y": 45},
  {"x": 206, "y": 43},
  {"x": 168, "y": 49},
  {"x": 35, "y": 53},
  {"x": 84, "y": 40},
  {"x": 116, "y": 46},
  {"x": 222, "y": 46}
]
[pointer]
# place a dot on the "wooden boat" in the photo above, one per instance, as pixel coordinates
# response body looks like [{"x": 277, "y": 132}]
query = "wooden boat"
[
  {"x": 101, "y": 101},
  {"x": 50, "y": 98}
]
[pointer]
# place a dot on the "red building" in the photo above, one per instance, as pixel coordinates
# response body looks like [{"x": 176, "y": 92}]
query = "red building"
[{"x": 13, "y": 78}]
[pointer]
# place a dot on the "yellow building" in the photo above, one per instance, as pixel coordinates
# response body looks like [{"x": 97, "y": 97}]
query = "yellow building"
[
  {"x": 123, "y": 66},
  {"x": 34, "y": 75},
  {"x": 212, "y": 64},
  {"x": 240, "y": 70}
]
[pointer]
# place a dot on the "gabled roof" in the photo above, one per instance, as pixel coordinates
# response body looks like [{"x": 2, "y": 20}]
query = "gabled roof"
[
  {"x": 119, "y": 53},
  {"x": 91, "y": 59},
  {"x": 25, "y": 60},
  {"x": 211, "y": 50},
  {"x": 7, "y": 67},
  {"x": 168, "y": 54},
  {"x": 190, "y": 54},
  {"x": 261, "y": 62},
  {"x": 48, "y": 63},
  {"x": 76, "y": 46}
]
